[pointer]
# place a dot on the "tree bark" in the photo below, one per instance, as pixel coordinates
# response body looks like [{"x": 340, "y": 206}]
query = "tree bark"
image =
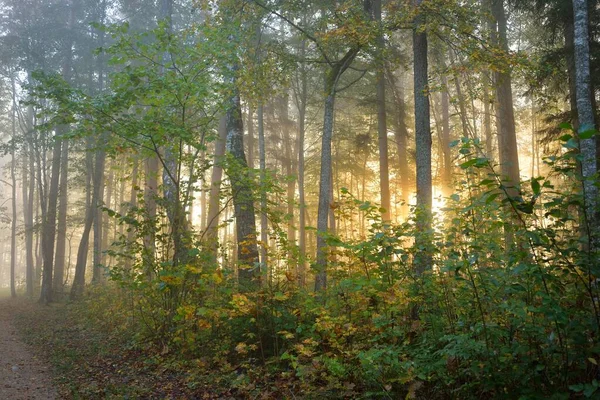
[
  {"x": 214, "y": 206},
  {"x": 505, "y": 117},
  {"x": 59, "y": 259},
  {"x": 13, "y": 177},
  {"x": 49, "y": 225},
  {"x": 423, "y": 147},
  {"x": 301, "y": 100},
  {"x": 585, "y": 112},
  {"x": 264, "y": 226},
  {"x": 384, "y": 173},
  {"x": 243, "y": 198},
  {"x": 96, "y": 200}
]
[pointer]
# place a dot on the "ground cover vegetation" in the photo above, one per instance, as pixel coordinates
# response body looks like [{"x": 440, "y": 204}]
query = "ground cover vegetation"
[{"x": 305, "y": 199}]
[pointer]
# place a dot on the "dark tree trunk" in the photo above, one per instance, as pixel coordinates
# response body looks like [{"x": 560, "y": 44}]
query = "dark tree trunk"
[
  {"x": 49, "y": 225},
  {"x": 61, "y": 240},
  {"x": 423, "y": 147},
  {"x": 384, "y": 173},
  {"x": 505, "y": 117},
  {"x": 96, "y": 200},
  {"x": 243, "y": 197},
  {"x": 585, "y": 113}
]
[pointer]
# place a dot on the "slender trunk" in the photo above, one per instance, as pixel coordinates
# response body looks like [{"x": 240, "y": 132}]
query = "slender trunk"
[
  {"x": 445, "y": 141},
  {"x": 101, "y": 223},
  {"x": 82, "y": 251},
  {"x": 28, "y": 199},
  {"x": 505, "y": 118},
  {"x": 214, "y": 206},
  {"x": 250, "y": 137},
  {"x": 49, "y": 225},
  {"x": 302, "y": 99},
  {"x": 568, "y": 33},
  {"x": 423, "y": 147},
  {"x": 150, "y": 191},
  {"x": 264, "y": 227},
  {"x": 243, "y": 198},
  {"x": 132, "y": 205},
  {"x": 487, "y": 120},
  {"x": 401, "y": 138},
  {"x": 331, "y": 79},
  {"x": 587, "y": 125},
  {"x": 61, "y": 239},
  {"x": 384, "y": 173},
  {"x": 13, "y": 177},
  {"x": 290, "y": 179}
]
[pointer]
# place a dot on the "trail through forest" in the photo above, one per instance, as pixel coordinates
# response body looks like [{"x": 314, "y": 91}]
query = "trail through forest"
[{"x": 22, "y": 374}]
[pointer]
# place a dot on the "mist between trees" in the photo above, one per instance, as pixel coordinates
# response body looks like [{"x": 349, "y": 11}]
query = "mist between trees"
[{"x": 317, "y": 199}]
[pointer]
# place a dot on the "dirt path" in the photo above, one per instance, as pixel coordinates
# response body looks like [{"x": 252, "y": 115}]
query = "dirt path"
[{"x": 22, "y": 375}]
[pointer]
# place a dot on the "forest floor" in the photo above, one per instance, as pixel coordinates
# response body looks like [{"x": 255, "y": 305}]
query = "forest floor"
[
  {"x": 58, "y": 352},
  {"x": 22, "y": 374}
]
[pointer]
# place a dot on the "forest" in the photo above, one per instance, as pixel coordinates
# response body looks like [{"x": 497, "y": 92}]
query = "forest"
[{"x": 303, "y": 199}]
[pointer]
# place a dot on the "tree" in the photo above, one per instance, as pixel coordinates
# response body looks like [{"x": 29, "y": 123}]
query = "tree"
[
  {"x": 423, "y": 143},
  {"x": 505, "y": 116},
  {"x": 585, "y": 112},
  {"x": 384, "y": 173}
]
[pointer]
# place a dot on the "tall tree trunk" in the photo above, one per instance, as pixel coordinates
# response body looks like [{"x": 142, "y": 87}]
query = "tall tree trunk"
[
  {"x": 49, "y": 225},
  {"x": 487, "y": 120},
  {"x": 250, "y": 137},
  {"x": 301, "y": 100},
  {"x": 505, "y": 117},
  {"x": 243, "y": 198},
  {"x": 214, "y": 206},
  {"x": 401, "y": 138},
  {"x": 171, "y": 169},
  {"x": 90, "y": 214},
  {"x": 61, "y": 239},
  {"x": 28, "y": 197},
  {"x": 384, "y": 173},
  {"x": 132, "y": 205},
  {"x": 290, "y": 179},
  {"x": 423, "y": 146},
  {"x": 150, "y": 193},
  {"x": 101, "y": 222},
  {"x": 332, "y": 77},
  {"x": 585, "y": 112},
  {"x": 13, "y": 177},
  {"x": 264, "y": 226}
]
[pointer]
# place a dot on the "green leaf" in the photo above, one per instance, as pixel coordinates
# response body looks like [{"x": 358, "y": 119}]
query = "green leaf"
[
  {"x": 492, "y": 197},
  {"x": 535, "y": 187},
  {"x": 468, "y": 164},
  {"x": 588, "y": 134},
  {"x": 566, "y": 125}
]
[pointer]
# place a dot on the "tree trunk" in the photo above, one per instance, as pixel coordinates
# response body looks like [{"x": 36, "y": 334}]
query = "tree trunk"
[
  {"x": 250, "y": 137},
  {"x": 13, "y": 177},
  {"x": 59, "y": 259},
  {"x": 423, "y": 147},
  {"x": 150, "y": 191},
  {"x": 49, "y": 225},
  {"x": 585, "y": 112},
  {"x": 331, "y": 79},
  {"x": 264, "y": 226},
  {"x": 301, "y": 104},
  {"x": 82, "y": 251},
  {"x": 384, "y": 173},
  {"x": 243, "y": 199},
  {"x": 401, "y": 138},
  {"x": 214, "y": 206},
  {"x": 505, "y": 118},
  {"x": 101, "y": 223}
]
